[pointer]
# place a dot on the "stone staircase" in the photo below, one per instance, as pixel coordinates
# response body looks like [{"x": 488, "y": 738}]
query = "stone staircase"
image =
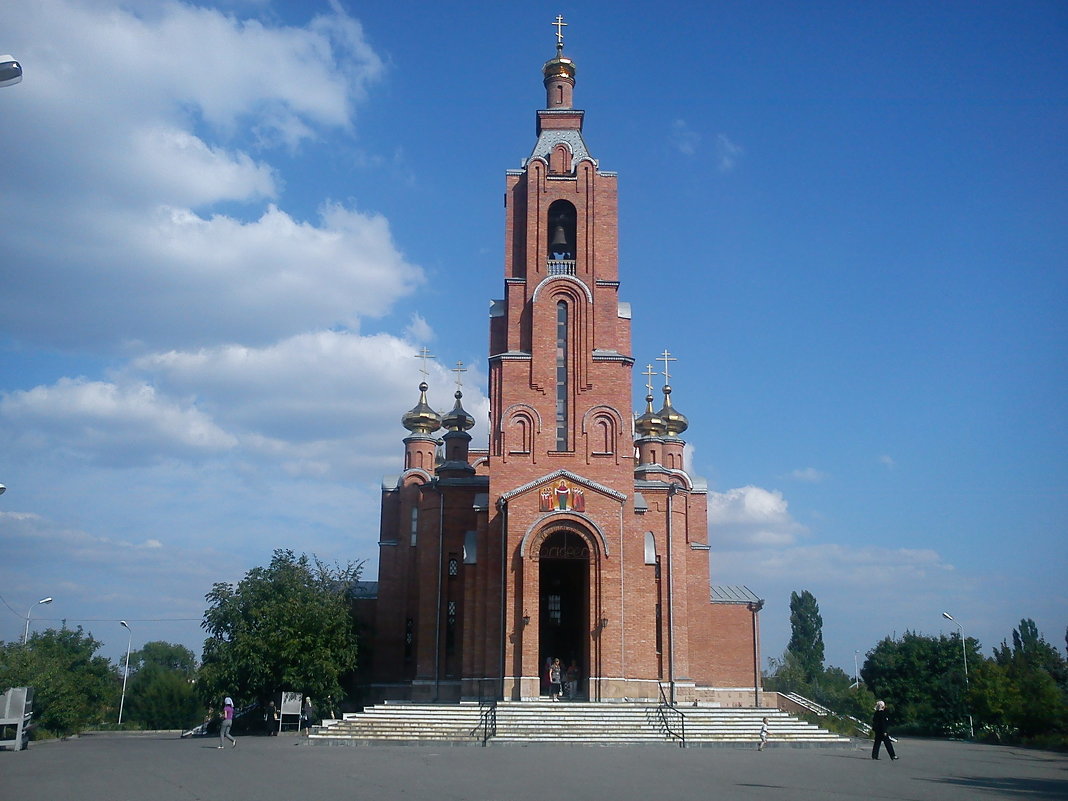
[{"x": 569, "y": 723}]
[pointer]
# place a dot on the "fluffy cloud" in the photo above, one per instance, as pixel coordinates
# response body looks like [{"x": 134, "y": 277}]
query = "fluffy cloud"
[
  {"x": 751, "y": 517},
  {"x": 325, "y": 403},
  {"x": 135, "y": 123},
  {"x": 109, "y": 421}
]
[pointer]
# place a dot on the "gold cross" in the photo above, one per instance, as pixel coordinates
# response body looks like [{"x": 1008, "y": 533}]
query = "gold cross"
[
  {"x": 424, "y": 354},
  {"x": 559, "y": 25},
  {"x": 667, "y": 357},
  {"x": 459, "y": 369},
  {"x": 649, "y": 373}
]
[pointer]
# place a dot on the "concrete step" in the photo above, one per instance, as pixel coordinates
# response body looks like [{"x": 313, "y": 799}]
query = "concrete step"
[{"x": 569, "y": 723}]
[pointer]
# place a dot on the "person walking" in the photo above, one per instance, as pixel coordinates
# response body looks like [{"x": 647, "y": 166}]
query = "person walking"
[
  {"x": 307, "y": 714},
  {"x": 227, "y": 722},
  {"x": 763, "y": 735},
  {"x": 880, "y": 727}
]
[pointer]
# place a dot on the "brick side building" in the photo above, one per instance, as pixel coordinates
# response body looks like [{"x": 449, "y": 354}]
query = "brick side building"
[{"x": 578, "y": 534}]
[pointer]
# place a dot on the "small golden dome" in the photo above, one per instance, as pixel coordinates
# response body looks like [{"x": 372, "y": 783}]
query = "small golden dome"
[
  {"x": 649, "y": 424},
  {"x": 675, "y": 422},
  {"x": 559, "y": 67},
  {"x": 421, "y": 419},
  {"x": 458, "y": 419}
]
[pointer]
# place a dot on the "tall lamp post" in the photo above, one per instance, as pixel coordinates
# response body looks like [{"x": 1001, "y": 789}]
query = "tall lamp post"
[
  {"x": 964, "y": 653},
  {"x": 126, "y": 672},
  {"x": 26, "y": 631}
]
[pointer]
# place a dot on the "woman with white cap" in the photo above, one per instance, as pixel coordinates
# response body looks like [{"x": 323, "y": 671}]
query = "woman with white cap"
[{"x": 227, "y": 722}]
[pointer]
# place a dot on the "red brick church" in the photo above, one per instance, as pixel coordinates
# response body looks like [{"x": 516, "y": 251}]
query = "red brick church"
[{"x": 578, "y": 534}]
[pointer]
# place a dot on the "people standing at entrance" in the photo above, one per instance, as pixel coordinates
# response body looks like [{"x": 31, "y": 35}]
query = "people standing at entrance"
[
  {"x": 554, "y": 679},
  {"x": 763, "y": 734},
  {"x": 227, "y": 722},
  {"x": 572, "y": 680},
  {"x": 880, "y": 726}
]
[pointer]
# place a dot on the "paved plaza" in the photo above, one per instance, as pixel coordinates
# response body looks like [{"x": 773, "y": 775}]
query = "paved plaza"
[{"x": 164, "y": 768}]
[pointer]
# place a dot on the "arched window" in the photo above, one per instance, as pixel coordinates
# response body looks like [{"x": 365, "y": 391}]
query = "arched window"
[
  {"x": 562, "y": 222},
  {"x": 561, "y": 375}
]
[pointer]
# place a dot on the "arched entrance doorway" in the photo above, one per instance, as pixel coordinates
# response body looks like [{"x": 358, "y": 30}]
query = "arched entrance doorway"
[{"x": 563, "y": 603}]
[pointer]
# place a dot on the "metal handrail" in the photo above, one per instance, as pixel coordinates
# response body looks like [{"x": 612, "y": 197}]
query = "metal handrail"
[
  {"x": 487, "y": 720},
  {"x": 662, "y": 712}
]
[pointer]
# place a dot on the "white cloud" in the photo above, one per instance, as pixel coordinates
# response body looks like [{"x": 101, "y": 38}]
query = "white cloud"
[
  {"x": 684, "y": 138},
  {"x": 97, "y": 419},
  {"x": 310, "y": 404},
  {"x": 727, "y": 153},
  {"x": 887, "y": 461},
  {"x": 419, "y": 329},
  {"x": 751, "y": 517},
  {"x": 808, "y": 475},
  {"x": 135, "y": 121}
]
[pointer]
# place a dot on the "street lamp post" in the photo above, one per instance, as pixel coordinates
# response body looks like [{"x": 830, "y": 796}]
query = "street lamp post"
[
  {"x": 126, "y": 672},
  {"x": 26, "y": 631},
  {"x": 856, "y": 671},
  {"x": 964, "y": 653}
]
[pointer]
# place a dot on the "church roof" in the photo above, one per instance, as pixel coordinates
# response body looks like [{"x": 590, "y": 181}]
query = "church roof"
[{"x": 734, "y": 594}]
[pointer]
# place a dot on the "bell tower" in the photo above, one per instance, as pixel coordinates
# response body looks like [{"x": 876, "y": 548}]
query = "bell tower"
[{"x": 560, "y": 364}]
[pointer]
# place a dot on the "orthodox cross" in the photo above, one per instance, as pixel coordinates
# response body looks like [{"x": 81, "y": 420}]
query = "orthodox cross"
[
  {"x": 424, "y": 354},
  {"x": 649, "y": 373},
  {"x": 667, "y": 357},
  {"x": 559, "y": 25},
  {"x": 459, "y": 369}
]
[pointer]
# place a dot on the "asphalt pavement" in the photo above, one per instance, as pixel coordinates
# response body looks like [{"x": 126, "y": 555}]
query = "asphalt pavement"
[{"x": 163, "y": 767}]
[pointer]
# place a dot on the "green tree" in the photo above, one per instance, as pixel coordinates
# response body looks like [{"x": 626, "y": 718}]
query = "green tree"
[
  {"x": 993, "y": 698},
  {"x": 73, "y": 687},
  {"x": 287, "y": 626},
  {"x": 161, "y": 692},
  {"x": 806, "y": 635},
  {"x": 922, "y": 679}
]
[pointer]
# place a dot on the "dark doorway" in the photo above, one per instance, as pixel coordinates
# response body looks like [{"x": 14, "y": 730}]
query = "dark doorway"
[{"x": 563, "y": 604}]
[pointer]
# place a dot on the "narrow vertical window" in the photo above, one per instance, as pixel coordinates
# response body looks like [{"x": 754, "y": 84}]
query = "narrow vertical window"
[
  {"x": 415, "y": 524},
  {"x": 561, "y": 376}
]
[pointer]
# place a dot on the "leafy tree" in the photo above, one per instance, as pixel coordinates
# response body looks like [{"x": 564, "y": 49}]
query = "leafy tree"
[
  {"x": 993, "y": 698},
  {"x": 287, "y": 626},
  {"x": 1039, "y": 675},
  {"x": 161, "y": 692},
  {"x": 806, "y": 635},
  {"x": 169, "y": 656},
  {"x": 921, "y": 678},
  {"x": 73, "y": 688}
]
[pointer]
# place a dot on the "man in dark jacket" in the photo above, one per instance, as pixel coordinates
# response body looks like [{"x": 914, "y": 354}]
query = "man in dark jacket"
[{"x": 879, "y": 725}]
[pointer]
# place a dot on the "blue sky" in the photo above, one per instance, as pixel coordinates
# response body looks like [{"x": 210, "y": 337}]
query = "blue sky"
[{"x": 228, "y": 228}]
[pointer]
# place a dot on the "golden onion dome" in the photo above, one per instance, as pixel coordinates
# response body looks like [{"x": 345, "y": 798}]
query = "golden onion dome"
[
  {"x": 675, "y": 422},
  {"x": 559, "y": 67},
  {"x": 421, "y": 419},
  {"x": 649, "y": 424},
  {"x": 458, "y": 419}
]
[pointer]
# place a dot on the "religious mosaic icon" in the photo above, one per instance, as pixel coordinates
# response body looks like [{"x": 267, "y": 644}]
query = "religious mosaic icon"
[{"x": 563, "y": 497}]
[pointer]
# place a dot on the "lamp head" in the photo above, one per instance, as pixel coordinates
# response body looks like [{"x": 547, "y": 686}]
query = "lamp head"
[
  {"x": 47, "y": 600},
  {"x": 125, "y": 625},
  {"x": 3, "y": 489},
  {"x": 10, "y": 71},
  {"x": 948, "y": 616}
]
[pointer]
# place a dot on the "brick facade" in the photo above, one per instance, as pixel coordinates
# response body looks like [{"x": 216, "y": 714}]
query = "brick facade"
[{"x": 578, "y": 534}]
